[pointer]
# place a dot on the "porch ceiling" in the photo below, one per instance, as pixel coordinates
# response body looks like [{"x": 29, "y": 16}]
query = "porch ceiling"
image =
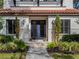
[{"x": 23, "y": 12}]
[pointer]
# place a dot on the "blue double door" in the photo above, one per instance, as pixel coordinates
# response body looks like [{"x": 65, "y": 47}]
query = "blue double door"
[{"x": 38, "y": 29}]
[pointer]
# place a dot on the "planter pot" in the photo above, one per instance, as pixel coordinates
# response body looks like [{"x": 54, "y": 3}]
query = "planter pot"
[
  {"x": 49, "y": 50},
  {"x": 56, "y": 49}
]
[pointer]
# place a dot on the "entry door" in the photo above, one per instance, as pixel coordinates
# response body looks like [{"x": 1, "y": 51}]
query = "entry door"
[{"x": 38, "y": 29}]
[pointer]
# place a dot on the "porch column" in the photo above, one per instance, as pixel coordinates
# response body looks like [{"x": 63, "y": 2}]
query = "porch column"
[
  {"x": 50, "y": 30},
  {"x": 25, "y": 28}
]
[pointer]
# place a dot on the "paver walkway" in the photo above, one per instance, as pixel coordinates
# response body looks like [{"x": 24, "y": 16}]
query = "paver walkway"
[{"x": 36, "y": 52}]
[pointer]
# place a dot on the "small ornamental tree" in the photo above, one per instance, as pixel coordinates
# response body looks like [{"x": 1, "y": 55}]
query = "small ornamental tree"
[
  {"x": 57, "y": 28},
  {"x": 17, "y": 27}
]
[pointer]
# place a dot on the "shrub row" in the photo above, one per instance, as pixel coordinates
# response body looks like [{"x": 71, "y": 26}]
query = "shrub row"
[
  {"x": 8, "y": 43},
  {"x": 63, "y": 47},
  {"x": 6, "y": 38},
  {"x": 70, "y": 38}
]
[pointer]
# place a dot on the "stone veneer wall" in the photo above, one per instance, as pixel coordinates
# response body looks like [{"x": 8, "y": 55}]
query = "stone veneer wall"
[
  {"x": 25, "y": 26},
  {"x": 24, "y": 33},
  {"x": 74, "y": 27}
]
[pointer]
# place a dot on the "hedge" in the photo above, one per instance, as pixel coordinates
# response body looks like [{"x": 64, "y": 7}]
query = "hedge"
[{"x": 71, "y": 38}]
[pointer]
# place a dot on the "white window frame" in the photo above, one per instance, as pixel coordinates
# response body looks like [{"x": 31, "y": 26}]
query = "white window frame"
[
  {"x": 63, "y": 25},
  {"x": 7, "y": 31}
]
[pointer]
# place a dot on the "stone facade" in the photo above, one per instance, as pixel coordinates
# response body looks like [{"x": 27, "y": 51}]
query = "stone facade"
[{"x": 25, "y": 26}]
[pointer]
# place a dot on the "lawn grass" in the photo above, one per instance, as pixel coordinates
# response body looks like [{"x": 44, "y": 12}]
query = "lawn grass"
[
  {"x": 9, "y": 55},
  {"x": 65, "y": 56}
]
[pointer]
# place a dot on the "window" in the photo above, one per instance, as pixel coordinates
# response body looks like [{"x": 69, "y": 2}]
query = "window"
[
  {"x": 41, "y": 2},
  {"x": 27, "y": 0},
  {"x": 10, "y": 26},
  {"x": 50, "y": 0},
  {"x": 76, "y": 4},
  {"x": 65, "y": 26}
]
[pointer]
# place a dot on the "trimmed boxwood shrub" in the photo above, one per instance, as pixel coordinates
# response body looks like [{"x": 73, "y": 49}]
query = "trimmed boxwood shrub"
[
  {"x": 70, "y": 38},
  {"x": 6, "y": 38},
  {"x": 21, "y": 46},
  {"x": 51, "y": 45}
]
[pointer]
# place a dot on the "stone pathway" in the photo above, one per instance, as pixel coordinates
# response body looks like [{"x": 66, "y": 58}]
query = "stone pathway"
[{"x": 36, "y": 52}]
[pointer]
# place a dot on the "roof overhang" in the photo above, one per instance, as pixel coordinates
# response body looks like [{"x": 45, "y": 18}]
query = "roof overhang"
[{"x": 24, "y": 12}]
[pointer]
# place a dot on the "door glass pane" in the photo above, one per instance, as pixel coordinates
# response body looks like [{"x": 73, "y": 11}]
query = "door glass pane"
[
  {"x": 33, "y": 29},
  {"x": 38, "y": 29}
]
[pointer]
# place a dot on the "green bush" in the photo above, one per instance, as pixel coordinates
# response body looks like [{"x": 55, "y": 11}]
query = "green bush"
[
  {"x": 6, "y": 38},
  {"x": 74, "y": 46},
  {"x": 1, "y": 46},
  {"x": 8, "y": 46},
  {"x": 9, "y": 43},
  {"x": 70, "y": 38},
  {"x": 11, "y": 46},
  {"x": 69, "y": 46},
  {"x": 20, "y": 44},
  {"x": 64, "y": 46},
  {"x": 51, "y": 45}
]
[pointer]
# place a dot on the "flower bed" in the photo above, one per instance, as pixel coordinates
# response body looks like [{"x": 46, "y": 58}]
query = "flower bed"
[
  {"x": 63, "y": 47},
  {"x": 8, "y": 45}
]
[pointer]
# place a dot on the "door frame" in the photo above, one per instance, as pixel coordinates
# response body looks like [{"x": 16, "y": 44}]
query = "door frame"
[{"x": 42, "y": 18}]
